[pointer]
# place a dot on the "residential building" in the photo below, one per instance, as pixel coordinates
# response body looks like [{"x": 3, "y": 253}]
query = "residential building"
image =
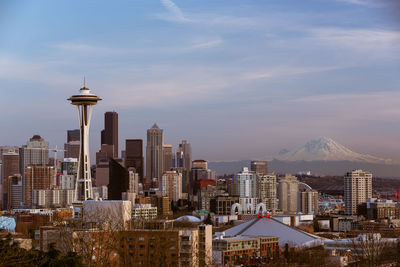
[
  {"x": 357, "y": 189},
  {"x": 52, "y": 198},
  {"x": 171, "y": 185},
  {"x": 245, "y": 184},
  {"x": 266, "y": 190},
  {"x": 38, "y": 177},
  {"x": 308, "y": 201}
]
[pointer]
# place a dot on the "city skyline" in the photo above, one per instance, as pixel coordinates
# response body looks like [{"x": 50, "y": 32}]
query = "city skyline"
[{"x": 252, "y": 75}]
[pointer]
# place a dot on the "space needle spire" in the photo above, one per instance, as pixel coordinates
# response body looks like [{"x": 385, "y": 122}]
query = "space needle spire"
[{"x": 84, "y": 102}]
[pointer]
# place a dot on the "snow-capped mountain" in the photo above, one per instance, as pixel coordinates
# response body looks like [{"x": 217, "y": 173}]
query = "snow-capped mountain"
[{"x": 326, "y": 149}]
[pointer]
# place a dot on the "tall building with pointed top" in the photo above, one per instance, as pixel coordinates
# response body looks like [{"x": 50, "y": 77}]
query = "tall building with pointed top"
[
  {"x": 109, "y": 136},
  {"x": 154, "y": 153}
]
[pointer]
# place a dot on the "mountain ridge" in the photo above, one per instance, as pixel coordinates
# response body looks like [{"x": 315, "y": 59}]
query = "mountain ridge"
[{"x": 326, "y": 149}]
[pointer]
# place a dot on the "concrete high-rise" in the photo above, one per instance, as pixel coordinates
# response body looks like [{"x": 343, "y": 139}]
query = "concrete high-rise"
[
  {"x": 288, "y": 190},
  {"x": 154, "y": 153},
  {"x": 259, "y": 167},
  {"x": 109, "y": 136},
  {"x": 357, "y": 189},
  {"x": 84, "y": 103},
  {"x": 266, "y": 190},
  {"x": 38, "y": 177},
  {"x": 171, "y": 185},
  {"x": 134, "y": 156}
]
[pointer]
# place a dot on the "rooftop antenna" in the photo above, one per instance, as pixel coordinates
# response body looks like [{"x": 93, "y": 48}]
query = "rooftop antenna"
[{"x": 84, "y": 82}]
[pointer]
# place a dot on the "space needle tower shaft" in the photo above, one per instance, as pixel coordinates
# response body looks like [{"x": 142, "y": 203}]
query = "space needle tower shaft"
[{"x": 84, "y": 103}]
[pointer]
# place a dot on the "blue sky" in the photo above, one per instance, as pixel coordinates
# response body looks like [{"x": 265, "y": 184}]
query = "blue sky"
[{"x": 238, "y": 79}]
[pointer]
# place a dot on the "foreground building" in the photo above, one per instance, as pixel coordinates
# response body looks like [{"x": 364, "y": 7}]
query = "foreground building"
[
  {"x": 231, "y": 251},
  {"x": 269, "y": 227}
]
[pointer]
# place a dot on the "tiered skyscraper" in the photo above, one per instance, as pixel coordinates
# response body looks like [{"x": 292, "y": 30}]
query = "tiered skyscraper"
[
  {"x": 154, "y": 153},
  {"x": 84, "y": 103}
]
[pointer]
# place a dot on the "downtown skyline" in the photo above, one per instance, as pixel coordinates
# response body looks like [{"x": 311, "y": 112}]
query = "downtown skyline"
[{"x": 238, "y": 81}]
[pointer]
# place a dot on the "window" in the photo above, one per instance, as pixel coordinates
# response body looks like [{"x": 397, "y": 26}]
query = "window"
[{"x": 141, "y": 238}]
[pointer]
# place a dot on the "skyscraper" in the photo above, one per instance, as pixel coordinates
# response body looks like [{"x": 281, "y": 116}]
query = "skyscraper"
[
  {"x": 10, "y": 167},
  {"x": 134, "y": 156},
  {"x": 119, "y": 180},
  {"x": 185, "y": 154},
  {"x": 71, "y": 147},
  {"x": 109, "y": 136},
  {"x": 288, "y": 190},
  {"x": 357, "y": 189},
  {"x": 154, "y": 153},
  {"x": 84, "y": 103},
  {"x": 167, "y": 157},
  {"x": 259, "y": 167},
  {"x": 36, "y": 151}
]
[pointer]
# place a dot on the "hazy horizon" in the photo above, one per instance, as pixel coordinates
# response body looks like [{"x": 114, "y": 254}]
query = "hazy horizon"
[{"x": 237, "y": 79}]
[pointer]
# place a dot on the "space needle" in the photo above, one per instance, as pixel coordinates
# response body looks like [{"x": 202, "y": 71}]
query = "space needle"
[{"x": 84, "y": 102}]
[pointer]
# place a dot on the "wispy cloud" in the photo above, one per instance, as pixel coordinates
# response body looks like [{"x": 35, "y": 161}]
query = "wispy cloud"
[
  {"x": 79, "y": 47},
  {"x": 207, "y": 44},
  {"x": 287, "y": 71},
  {"x": 175, "y": 11},
  {"x": 371, "y": 3}
]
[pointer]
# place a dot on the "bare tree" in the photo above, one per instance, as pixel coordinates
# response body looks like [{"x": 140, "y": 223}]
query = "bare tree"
[{"x": 368, "y": 249}]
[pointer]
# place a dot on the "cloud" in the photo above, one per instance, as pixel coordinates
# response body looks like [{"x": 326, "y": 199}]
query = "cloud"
[
  {"x": 207, "y": 44},
  {"x": 76, "y": 47},
  {"x": 372, "y": 3},
  {"x": 175, "y": 11},
  {"x": 287, "y": 71}
]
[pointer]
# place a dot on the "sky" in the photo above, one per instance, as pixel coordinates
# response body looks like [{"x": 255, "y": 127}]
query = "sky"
[{"x": 238, "y": 79}]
